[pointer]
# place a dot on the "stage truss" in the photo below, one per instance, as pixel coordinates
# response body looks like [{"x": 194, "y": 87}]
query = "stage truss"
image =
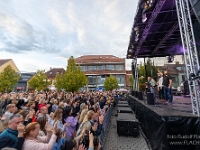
[{"x": 190, "y": 52}]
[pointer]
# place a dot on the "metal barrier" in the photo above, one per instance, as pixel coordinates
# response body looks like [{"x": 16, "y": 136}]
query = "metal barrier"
[{"x": 106, "y": 124}]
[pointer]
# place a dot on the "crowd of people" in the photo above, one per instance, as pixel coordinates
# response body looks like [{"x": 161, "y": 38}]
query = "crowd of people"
[{"x": 53, "y": 120}]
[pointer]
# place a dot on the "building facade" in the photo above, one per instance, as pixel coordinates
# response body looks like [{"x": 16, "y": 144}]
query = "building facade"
[{"x": 98, "y": 67}]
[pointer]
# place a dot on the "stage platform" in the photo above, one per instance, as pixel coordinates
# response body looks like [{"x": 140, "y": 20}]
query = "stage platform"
[{"x": 168, "y": 127}]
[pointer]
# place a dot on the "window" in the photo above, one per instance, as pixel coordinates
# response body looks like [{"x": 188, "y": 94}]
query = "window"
[
  {"x": 100, "y": 67},
  {"x": 119, "y": 67},
  {"x": 109, "y": 67},
  {"x": 92, "y": 80},
  {"x": 100, "y": 79},
  {"x": 50, "y": 72},
  {"x": 173, "y": 79},
  {"x": 91, "y": 68},
  {"x": 83, "y": 68},
  {"x": 120, "y": 79}
]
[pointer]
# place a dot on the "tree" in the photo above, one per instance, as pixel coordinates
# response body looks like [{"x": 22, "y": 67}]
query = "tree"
[
  {"x": 39, "y": 81},
  {"x": 151, "y": 70},
  {"x": 131, "y": 80},
  {"x": 148, "y": 69},
  {"x": 73, "y": 79},
  {"x": 110, "y": 83},
  {"x": 8, "y": 79}
]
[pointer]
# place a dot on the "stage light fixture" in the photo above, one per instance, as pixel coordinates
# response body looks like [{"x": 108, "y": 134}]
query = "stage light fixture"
[
  {"x": 170, "y": 59},
  {"x": 130, "y": 50}
]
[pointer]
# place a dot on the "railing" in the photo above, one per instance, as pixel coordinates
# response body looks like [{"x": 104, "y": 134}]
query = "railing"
[{"x": 106, "y": 124}]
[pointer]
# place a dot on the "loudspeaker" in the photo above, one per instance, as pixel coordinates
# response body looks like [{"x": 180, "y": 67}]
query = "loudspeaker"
[
  {"x": 150, "y": 98},
  {"x": 124, "y": 110},
  {"x": 133, "y": 93},
  {"x": 127, "y": 125},
  {"x": 136, "y": 93},
  {"x": 122, "y": 102},
  {"x": 140, "y": 95},
  {"x": 123, "y": 105},
  {"x": 196, "y": 8}
]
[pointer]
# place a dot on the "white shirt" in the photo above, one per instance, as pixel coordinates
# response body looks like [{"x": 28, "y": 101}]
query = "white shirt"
[{"x": 160, "y": 82}]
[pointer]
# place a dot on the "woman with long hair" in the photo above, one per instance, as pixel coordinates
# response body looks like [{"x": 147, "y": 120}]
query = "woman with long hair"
[
  {"x": 43, "y": 122},
  {"x": 35, "y": 142},
  {"x": 71, "y": 121},
  {"x": 83, "y": 114},
  {"x": 58, "y": 118}
]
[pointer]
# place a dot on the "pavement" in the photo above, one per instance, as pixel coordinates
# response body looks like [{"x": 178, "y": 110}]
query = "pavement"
[{"x": 115, "y": 142}]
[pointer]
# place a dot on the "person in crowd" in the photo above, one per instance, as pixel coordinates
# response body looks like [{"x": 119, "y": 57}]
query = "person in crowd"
[
  {"x": 43, "y": 122},
  {"x": 83, "y": 114},
  {"x": 31, "y": 105},
  {"x": 58, "y": 118},
  {"x": 167, "y": 87},
  {"x": 43, "y": 112},
  {"x": 69, "y": 145},
  {"x": 35, "y": 142},
  {"x": 60, "y": 140},
  {"x": 13, "y": 136},
  {"x": 10, "y": 110},
  {"x": 72, "y": 122},
  {"x": 55, "y": 105},
  {"x": 41, "y": 103}
]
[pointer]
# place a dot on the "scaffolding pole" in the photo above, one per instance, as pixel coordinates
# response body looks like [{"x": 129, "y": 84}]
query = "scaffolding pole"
[
  {"x": 134, "y": 63},
  {"x": 190, "y": 51}
]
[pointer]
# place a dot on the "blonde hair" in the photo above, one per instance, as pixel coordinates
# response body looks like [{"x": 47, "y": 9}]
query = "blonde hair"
[
  {"x": 88, "y": 116},
  {"x": 83, "y": 114},
  {"x": 84, "y": 126}
]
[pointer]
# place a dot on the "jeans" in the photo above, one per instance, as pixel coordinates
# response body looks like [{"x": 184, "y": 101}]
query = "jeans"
[
  {"x": 161, "y": 94},
  {"x": 154, "y": 91},
  {"x": 168, "y": 94}
]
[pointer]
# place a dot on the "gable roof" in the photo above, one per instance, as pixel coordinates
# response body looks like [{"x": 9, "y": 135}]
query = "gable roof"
[
  {"x": 53, "y": 72},
  {"x": 3, "y": 61}
]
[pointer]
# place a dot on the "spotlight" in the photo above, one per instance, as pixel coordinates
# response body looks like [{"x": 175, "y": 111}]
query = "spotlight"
[
  {"x": 170, "y": 58},
  {"x": 130, "y": 50}
]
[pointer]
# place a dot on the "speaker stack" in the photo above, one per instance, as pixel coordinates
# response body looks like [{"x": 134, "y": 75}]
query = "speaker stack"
[{"x": 127, "y": 125}]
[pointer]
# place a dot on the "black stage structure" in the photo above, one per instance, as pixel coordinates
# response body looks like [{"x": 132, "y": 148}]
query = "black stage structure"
[{"x": 166, "y": 28}]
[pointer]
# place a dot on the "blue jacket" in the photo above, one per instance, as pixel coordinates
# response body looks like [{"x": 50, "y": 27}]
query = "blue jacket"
[
  {"x": 8, "y": 138},
  {"x": 58, "y": 144}
]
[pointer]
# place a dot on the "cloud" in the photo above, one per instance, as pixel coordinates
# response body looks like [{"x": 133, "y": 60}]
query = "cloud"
[{"x": 67, "y": 28}]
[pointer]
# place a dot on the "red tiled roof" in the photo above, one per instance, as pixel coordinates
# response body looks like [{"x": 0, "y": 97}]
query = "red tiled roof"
[{"x": 51, "y": 74}]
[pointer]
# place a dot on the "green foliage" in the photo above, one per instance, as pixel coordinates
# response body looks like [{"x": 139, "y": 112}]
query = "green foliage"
[
  {"x": 131, "y": 80},
  {"x": 73, "y": 79},
  {"x": 110, "y": 83},
  {"x": 8, "y": 79},
  {"x": 39, "y": 81},
  {"x": 151, "y": 70}
]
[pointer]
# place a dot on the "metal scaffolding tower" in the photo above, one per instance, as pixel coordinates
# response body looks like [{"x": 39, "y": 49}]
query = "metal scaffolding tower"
[
  {"x": 136, "y": 85},
  {"x": 190, "y": 52}
]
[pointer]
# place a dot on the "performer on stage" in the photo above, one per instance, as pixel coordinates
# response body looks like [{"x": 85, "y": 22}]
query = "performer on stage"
[
  {"x": 167, "y": 87},
  {"x": 152, "y": 86},
  {"x": 160, "y": 86}
]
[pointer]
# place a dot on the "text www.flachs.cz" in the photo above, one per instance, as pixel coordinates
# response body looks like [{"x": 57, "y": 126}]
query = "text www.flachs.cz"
[{"x": 185, "y": 142}]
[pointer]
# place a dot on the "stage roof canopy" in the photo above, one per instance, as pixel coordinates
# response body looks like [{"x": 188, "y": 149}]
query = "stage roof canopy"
[{"x": 159, "y": 35}]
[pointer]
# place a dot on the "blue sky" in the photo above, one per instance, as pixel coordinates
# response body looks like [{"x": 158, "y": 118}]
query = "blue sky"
[{"x": 39, "y": 34}]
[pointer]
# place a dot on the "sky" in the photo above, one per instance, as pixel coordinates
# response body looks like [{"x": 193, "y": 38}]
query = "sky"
[{"x": 43, "y": 34}]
